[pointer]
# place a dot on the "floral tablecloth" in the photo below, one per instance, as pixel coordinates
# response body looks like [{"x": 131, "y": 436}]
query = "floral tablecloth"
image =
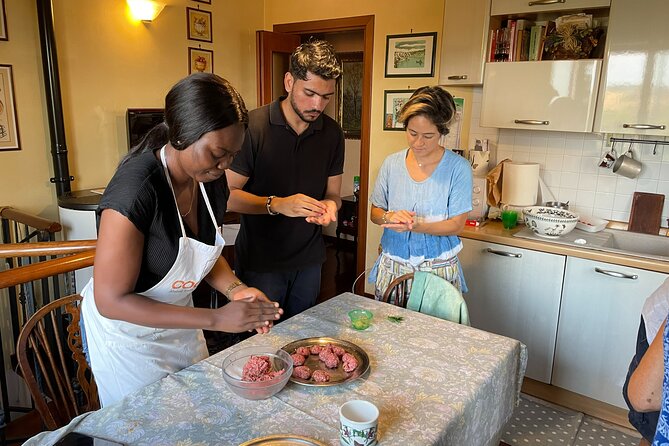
[{"x": 434, "y": 382}]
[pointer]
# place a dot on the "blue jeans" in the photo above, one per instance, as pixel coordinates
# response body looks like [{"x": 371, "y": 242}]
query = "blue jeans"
[
  {"x": 295, "y": 290},
  {"x": 644, "y": 422}
]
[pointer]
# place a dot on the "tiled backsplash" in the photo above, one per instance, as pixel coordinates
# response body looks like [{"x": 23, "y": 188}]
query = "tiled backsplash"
[{"x": 569, "y": 166}]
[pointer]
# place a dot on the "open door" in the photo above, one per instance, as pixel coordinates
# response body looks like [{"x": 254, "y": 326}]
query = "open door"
[{"x": 273, "y": 52}]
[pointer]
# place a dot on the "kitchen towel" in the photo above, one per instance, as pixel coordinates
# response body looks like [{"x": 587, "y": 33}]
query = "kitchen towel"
[{"x": 520, "y": 183}]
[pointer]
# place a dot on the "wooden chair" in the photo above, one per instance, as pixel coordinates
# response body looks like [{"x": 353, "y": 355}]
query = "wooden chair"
[
  {"x": 49, "y": 352},
  {"x": 398, "y": 290}
]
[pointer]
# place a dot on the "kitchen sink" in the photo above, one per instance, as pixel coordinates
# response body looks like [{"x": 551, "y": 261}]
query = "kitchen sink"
[{"x": 610, "y": 240}]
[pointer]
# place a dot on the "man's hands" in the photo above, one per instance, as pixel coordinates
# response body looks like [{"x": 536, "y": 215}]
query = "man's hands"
[{"x": 321, "y": 212}]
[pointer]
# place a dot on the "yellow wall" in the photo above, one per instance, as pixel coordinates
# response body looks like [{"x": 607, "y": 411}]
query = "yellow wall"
[
  {"x": 390, "y": 17},
  {"x": 108, "y": 63}
]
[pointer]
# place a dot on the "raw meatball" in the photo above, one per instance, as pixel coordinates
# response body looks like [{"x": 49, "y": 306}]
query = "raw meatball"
[
  {"x": 329, "y": 359},
  {"x": 349, "y": 362},
  {"x": 316, "y": 349},
  {"x": 298, "y": 359},
  {"x": 304, "y": 351},
  {"x": 302, "y": 372},
  {"x": 320, "y": 376},
  {"x": 337, "y": 350}
]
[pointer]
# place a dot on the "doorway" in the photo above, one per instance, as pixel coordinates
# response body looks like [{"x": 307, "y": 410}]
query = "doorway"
[{"x": 350, "y": 34}]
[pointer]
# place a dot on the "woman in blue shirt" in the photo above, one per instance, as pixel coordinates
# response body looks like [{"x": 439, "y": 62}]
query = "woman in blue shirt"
[{"x": 422, "y": 196}]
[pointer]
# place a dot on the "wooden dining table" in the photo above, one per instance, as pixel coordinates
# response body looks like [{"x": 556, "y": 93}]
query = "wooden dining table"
[{"x": 434, "y": 382}]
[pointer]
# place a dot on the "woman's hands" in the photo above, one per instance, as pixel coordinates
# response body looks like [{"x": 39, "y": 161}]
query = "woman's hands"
[
  {"x": 399, "y": 221},
  {"x": 249, "y": 309}
]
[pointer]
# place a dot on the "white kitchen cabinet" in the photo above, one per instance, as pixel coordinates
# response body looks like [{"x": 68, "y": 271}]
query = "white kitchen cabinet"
[
  {"x": 634, "y": 91},
  {"x": 464, "y": 42},
  {"x": 541, "y": 95},
  {"x": 597, "y": 330},
  {"x": 503, "y": 7},
  {"x": 516, "y": 293}
]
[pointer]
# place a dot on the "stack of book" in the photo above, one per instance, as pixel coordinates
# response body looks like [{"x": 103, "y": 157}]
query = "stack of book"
[{"x": 519, "y": 40}]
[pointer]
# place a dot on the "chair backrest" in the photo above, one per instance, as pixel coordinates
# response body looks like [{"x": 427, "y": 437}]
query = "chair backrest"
[
  {"x": 398, "y": 290},
  {"x": 50, "y": 354}
]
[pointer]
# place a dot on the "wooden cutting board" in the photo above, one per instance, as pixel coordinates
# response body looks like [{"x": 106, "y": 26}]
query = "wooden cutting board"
[{"x": 646, "y": 213}]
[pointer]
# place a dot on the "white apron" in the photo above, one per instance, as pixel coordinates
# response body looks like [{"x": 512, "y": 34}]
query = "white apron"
[{"x": 126, "y": 357}]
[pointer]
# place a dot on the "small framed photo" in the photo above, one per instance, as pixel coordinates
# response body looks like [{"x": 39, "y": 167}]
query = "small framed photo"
[
  {"x": 9, "y": 131},
  {"x": 3, "y": 21},
  {"x": 208, "y": 2},
  {"x": 410, "y": 55},
  {"x": 200, "y": 61},
  {"x": 199, "y": 24},
  {"x": 393, "y": 100}
]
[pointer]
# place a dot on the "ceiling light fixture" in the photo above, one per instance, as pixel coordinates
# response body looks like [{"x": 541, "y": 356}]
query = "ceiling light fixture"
[{"x": 145, "y": 10}]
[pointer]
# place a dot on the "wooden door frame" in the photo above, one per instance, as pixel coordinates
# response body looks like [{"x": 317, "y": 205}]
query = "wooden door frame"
[{"x": 365, "y": 24}]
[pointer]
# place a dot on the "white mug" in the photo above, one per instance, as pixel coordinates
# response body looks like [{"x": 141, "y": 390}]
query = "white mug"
[{"x": 358, "y": 423}]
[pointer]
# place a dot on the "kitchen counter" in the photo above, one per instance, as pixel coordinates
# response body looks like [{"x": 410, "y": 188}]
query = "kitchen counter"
[{"x": 494, "y": 232}]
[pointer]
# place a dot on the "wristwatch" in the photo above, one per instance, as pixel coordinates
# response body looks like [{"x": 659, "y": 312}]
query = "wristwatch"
[{"x": 268, "y": 205}]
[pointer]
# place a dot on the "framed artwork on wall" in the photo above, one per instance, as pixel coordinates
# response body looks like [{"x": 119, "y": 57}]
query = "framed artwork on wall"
[
  {"x": 199, "y": 24},
  {"x": 349, "y": 94},
  {"x": 393, "y": 100},
  {"x": 3, "y": 21},
  {"x": 410, "y": 55},
  {"x": 208, "y": 2},
  {"x": 200, "y": 61},
  {"x": 9, "y": 131}
]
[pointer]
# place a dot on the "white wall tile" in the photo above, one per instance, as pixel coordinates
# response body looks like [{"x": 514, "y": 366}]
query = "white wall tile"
[
  {"x": 589, "y": 164},
  {"x": 592, "y": 147},
  {"x": 602, "y": 213},
  {"x": 587, "y": 182},
  {"x": 620, "y": 215},
  {"x": 650, "y": 170},
  {"x": 569, "y": 180},
  {"x": 625, "y": 186},
  {"x": 521, "y": 157},
  {"x": 604, "y": 200},
  {"x": 606, "y": 184},
  {"x": 663, "y": 188},
  {"x": 554, "y": 162},
  {"x": 644, "y": 185},
  {"x": 552, "y": 178},
  {"x": 585, "y": 198},
  {"x": 664, "y": 172},
  {"x": 573, "y": 147},
  {"x": 571, "y": 163},
  {"x": 622, "y": 202},
  {"x": 538, "y": 158}
]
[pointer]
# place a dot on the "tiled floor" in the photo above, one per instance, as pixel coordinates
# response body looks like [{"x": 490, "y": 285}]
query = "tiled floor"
[{"x": 536, "y": 422}]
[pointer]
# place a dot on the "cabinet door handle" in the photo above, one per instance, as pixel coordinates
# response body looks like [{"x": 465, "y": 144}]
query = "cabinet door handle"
[
  {"x": 503, "y": 253},
  {"x": 545, "y": 2},
  {"x": 531, "y": 121},
  {"x": 645, "y": 126},
  {"x": 608, "y": 272},
  {"x": 459, "y": 77}
]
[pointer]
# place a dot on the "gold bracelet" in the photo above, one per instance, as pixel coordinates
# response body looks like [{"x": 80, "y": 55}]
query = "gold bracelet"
[
  {"x": 384, "y": 219},
  {"x": 231, "y": 287}
]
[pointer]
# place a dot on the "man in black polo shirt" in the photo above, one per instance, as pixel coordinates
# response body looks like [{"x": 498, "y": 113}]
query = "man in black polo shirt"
[{"x": 286, "y": 183}]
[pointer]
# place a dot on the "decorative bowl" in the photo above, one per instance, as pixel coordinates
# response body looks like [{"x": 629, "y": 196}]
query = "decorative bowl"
[
  {"x": 233, "y": 366},
  {"x": 549, "y": 222},
  {"x": 360, "y": 319}
]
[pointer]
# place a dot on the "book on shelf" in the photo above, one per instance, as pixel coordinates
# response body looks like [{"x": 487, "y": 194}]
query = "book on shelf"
[
  {"x": 536, "y": 38},
  {"x": 511, "y": 26}
]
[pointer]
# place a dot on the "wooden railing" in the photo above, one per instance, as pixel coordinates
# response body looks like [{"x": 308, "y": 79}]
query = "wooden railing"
[{"x": 38, "y": 269}]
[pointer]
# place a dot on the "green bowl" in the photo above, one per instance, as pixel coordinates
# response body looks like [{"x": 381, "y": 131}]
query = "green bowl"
[{"x": 360, "y": 319}]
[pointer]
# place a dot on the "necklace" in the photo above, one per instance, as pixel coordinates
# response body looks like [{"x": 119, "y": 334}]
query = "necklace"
[{"x": 192, "y": 199}]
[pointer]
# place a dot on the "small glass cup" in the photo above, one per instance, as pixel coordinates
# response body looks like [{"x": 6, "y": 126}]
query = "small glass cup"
[
  {"x": 509, "y": 219},
  {"x": 360, "y": 319}
]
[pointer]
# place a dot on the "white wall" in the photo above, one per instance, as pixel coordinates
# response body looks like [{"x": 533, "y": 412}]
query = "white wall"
[{"x": 569, "y": 166}]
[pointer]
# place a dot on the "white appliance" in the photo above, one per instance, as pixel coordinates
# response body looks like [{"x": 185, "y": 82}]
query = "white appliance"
[{"x": 479, "y": 201}]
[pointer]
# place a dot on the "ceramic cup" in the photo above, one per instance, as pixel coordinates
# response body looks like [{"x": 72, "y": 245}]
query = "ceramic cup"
[
  {"x": 627, "y": 166},
  {"x": 509, "y": 218},
  {"x": 358, "y": 423}
]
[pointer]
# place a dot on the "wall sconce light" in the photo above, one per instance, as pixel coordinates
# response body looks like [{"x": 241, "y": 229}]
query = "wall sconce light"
[{"x": 145, "y": 10}]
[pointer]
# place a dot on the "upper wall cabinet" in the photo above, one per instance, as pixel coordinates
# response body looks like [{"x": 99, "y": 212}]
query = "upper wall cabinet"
[
  {"x": 464, "y": 42},
  {"x": 555, "y": 95},
  {"x": 503, "y": 7},
  {"x": 634, "y": 91}
]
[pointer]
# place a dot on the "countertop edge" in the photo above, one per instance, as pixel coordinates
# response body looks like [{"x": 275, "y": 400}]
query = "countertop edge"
[{"x": 493, "y": 232}]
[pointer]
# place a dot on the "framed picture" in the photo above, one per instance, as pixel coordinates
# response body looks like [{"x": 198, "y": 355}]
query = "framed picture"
[
  {"x": 208, "y": 2},
  {"x": 349, "y": 94},
  {"x": 393, "y": 100},
  {"x": 200, "y": 61},
  {"x": 410, "y": 55},
  {"x": 9, "y": 132},
  {"x": 3, "y": 21},
  {"x": 199, "y": 24}
]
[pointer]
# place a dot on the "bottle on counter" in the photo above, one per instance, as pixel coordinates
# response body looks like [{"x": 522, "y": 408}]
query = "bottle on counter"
[{"x": 356, "y": 187}]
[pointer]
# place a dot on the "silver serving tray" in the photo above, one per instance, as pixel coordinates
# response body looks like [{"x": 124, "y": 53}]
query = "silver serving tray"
[
  {"x": 283, "y": 440},
  {"x": 338, "y": 375}
]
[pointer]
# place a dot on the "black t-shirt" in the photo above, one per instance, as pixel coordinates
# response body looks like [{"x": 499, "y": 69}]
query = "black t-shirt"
[
  {"x": 279, "y": 162},
  {"x": 139, "y": 191}
]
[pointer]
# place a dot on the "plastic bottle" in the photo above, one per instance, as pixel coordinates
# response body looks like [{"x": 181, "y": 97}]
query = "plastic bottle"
[{"x": 356, "y": 187}]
